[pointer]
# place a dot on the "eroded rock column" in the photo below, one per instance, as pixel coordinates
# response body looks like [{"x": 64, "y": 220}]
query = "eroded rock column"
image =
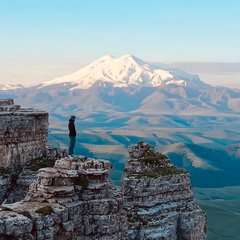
[{"x": 159, "y": 199}]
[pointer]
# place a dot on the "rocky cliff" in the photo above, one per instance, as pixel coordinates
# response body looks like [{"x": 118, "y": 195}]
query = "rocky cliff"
[
  {"x": 23, "y": 140},
  {"x": 159, "y": 199},
  {"x": 75, "y": 199},
  {"x": 23, "y": 134}
]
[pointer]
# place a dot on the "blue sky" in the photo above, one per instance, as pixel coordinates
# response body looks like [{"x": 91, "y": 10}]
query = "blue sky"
[{"x": 77, "y": 31}]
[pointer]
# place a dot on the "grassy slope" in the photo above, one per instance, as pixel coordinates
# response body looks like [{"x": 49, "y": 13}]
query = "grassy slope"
[{"x": 222, "y": 206}]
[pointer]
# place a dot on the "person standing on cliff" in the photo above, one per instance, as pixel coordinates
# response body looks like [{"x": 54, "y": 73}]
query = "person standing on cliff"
[{"x": 72, "y": 136}]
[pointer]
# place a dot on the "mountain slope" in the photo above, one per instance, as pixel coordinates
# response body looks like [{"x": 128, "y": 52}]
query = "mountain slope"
[{"x": 208, "y": 166}]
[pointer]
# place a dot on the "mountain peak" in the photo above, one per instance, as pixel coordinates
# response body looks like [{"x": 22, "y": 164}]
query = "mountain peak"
[
  {"x": 133, "y": 58},
  {"x": 124, "y": 71}
]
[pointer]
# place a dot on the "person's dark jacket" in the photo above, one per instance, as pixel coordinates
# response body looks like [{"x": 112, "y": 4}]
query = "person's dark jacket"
[{"x": 71, "y": 128}]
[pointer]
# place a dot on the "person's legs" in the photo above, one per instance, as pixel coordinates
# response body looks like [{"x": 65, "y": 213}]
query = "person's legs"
[{"x": 71, "y": 145}]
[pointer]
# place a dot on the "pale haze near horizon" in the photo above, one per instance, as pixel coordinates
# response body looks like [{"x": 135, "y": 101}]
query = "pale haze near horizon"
[{"x": 42, "y": 40}]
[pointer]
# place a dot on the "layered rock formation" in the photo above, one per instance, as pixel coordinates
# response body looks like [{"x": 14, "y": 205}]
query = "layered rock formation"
[
  {"x": 23, "y": 140},
  {"x": 23, "y": 134},
  {"x": 73, "y": 200},
  {"x": 159, "y": 199},
  {"x": 14, "y": 183},
  {"x": 76, "y": 200}
]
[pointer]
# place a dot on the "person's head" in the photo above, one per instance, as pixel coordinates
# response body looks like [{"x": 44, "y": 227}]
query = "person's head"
[{"x": 72, "y": 118}]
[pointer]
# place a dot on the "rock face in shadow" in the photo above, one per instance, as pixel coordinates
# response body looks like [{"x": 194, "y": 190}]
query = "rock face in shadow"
[{"x": 76, "y": 200}]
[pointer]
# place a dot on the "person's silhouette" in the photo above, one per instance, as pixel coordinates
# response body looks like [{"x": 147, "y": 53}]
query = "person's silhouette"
[{"x": 72, "y": 136}]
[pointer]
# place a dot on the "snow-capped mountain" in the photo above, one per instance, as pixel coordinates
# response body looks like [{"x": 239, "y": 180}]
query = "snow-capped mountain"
[
  {"x": 124, "y": 71},
  {"x": 127, "y": 84}
]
